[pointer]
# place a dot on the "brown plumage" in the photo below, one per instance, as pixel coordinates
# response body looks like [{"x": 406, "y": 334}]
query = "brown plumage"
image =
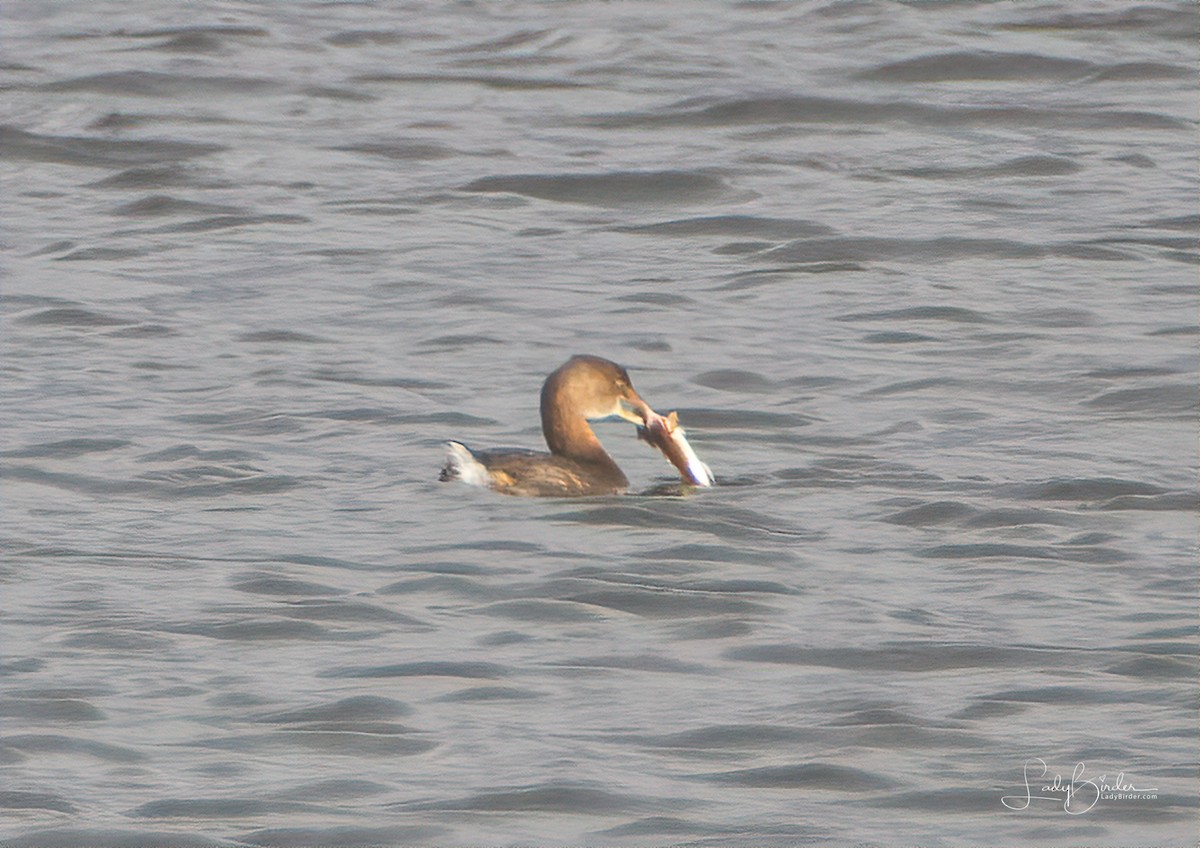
[{"x": 584, "y": 388}]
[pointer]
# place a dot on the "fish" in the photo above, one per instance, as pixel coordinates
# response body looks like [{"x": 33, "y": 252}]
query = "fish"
[{"x": 664, "y": 433}]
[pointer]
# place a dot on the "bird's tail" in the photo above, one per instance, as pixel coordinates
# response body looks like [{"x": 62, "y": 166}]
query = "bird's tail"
[{"x": 461, "y": 464}]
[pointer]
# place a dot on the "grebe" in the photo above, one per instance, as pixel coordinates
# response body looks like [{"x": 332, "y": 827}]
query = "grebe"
[{"x": 582, "y": 389}]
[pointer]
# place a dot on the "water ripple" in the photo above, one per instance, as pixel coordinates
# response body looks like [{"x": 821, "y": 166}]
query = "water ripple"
[
  {"x": 821, "y": 776},
  {"x": 96, "y": 152},
  {"x": 618, "y": 188}
]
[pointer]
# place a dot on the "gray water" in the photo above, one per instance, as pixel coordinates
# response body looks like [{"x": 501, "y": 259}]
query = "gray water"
[{"x": 920, "y": 279}]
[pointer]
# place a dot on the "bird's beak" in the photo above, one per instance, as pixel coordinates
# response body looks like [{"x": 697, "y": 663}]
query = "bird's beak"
[{"x": 635, "y": 410}]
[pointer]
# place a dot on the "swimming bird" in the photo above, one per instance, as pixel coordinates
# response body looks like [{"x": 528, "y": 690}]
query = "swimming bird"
[{"x": 584, "y": 388}]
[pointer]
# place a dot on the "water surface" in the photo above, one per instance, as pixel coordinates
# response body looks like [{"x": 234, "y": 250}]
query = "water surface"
[{"x": 920, "y": 280}]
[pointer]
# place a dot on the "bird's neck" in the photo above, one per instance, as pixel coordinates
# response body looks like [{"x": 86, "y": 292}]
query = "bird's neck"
[{"x": 568, "y": 434}]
